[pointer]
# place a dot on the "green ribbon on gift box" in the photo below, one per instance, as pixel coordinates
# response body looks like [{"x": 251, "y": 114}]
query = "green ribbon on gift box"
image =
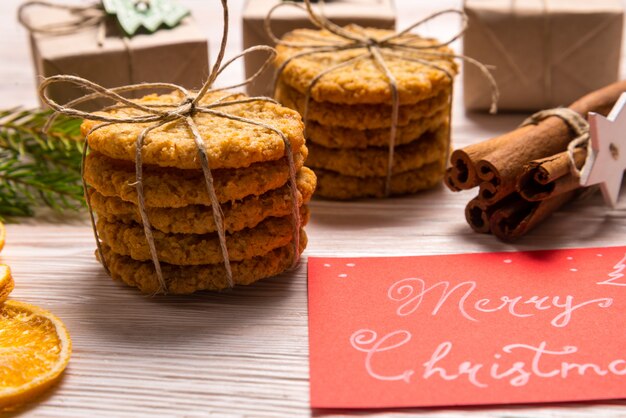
[
  {"x": 131, "y": 16},
  {"x": 149, "y": 14}
]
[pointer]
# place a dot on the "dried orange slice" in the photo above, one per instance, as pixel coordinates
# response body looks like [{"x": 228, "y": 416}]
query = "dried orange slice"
[
  {"x": 3, "y": 234},
  {"x": 6, "y": 283},
  {"x": 34, "y": 350}
]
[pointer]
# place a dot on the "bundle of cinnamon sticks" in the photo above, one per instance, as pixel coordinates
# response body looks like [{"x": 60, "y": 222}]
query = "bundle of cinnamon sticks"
[{"x": 524, "y": 175}]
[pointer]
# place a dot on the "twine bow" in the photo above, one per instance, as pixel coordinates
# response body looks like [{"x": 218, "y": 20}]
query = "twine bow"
[
  {"x": 159, "y": 114},
  {"x": 395, "y": 46}
]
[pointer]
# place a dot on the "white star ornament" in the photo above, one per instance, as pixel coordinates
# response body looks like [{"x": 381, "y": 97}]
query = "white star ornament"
[{"x": 607, "y": 162}]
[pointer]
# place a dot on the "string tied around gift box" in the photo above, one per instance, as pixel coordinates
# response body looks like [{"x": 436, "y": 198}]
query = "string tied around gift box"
[
  {"x": 158, "y": 114},
  {"x": 395, "y": 46},
  {"x": 83, "y": 17}
]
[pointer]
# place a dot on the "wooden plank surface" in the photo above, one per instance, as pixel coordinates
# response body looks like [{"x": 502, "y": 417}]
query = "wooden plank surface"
[{"x": 244, "y": 352}]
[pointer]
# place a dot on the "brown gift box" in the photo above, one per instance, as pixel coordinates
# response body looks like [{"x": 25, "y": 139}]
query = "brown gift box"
[
  {"x": 546, "y": 53},
  {"x": 366, "y": 13},
  {"x": 178, "y": 55}
]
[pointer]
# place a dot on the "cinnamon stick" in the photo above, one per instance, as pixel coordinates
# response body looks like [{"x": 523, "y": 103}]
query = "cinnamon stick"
[
  {"x": 547, "y": 177},
  {"x": 478, "y": 213},
  {"x": 477, "y": 216},
  {"x": 462, "y": 173},
  {"x": 525, "y": 175},
  {"x": 519, "y": 216},
  {"x": 496, "y": 163}
]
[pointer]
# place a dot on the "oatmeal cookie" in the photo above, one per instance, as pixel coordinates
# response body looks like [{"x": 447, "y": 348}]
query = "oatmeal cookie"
[
  {"x": 338, "y": 137},
  {"x": 363, "y": 82},
  {"x": 374, "y": 161},
  {"x": 194, "y": 249},
  {"x": 198, "y": 219},
  {"x": 174, "y": 188},
  {"x": 189, "y": 279},
  {"x": 229, "y": 143},
  {"x": 363, "y": 116},
  {"x": 336, "y": 186}
]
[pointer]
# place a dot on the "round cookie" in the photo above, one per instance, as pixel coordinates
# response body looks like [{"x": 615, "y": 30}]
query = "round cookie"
[
  {"x": 198, "y": 219},
  {"x": 338, "y": 137},
  {"x": 362, "y": 116},
  {"x": 189, "y": 279},
  {"x": 195, "y": 249},
  {"x": 229, "y": 144},
  {"x": 173, "y": 188},
  {"x": 363, "y": 82},
  {"x": 374, "y": 162},
  {"x": 336, "y": 186}
]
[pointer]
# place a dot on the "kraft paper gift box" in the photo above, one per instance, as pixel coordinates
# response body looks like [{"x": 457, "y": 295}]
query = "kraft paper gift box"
[
  {"x": 546, "y": 53},
  {"x": 178, "y": 55},
  {"x": 366, "y": 13}
]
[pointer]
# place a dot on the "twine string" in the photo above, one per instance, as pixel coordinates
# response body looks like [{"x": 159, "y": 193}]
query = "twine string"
[
  {"x": 318, "y": 77},
  {"x": 141, "y": 202},
  {"x": 316, "y": 38},
  {"x": 546, "y": 47},
  {"x": 92, "y": 219},
  {"x": 395, "y": 111},
  {"x": 266, "y": 64},
  {"x": 448, "y": 127},
  {"x": 159, "y": 114},
  {"x": 577, "y": 123},
  {"x": 218, "y": 215},
  {"x": 376, "y": 50},
  {"x": 84, "y": 17}
]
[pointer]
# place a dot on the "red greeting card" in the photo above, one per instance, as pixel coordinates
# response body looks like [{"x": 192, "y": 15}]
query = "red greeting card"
[{"x": 539, "y": 326}]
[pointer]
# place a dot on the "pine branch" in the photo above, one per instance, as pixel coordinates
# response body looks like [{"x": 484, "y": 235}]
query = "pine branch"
[{"x": 38, "y": 169}]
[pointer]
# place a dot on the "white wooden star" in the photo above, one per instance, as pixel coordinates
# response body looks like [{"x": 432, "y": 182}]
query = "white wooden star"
[{"x": 607, "y": 162}]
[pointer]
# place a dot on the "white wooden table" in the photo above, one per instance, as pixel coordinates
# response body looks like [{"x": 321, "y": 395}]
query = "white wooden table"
[{"x": 244, "y": 352}]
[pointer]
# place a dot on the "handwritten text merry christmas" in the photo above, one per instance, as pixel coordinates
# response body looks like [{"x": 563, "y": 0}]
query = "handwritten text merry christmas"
[{"x": 468, "y": 329}]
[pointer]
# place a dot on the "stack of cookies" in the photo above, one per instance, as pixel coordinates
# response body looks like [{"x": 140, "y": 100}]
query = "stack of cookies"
[
  {"x": 251, "y": 179},
  {"x": 349, "y": 112}
]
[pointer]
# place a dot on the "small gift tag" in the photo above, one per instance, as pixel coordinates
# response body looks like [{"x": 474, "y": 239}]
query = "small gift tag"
[
  {"x": 607, "y": 162},
  {"x": 150, "y": 14}
]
